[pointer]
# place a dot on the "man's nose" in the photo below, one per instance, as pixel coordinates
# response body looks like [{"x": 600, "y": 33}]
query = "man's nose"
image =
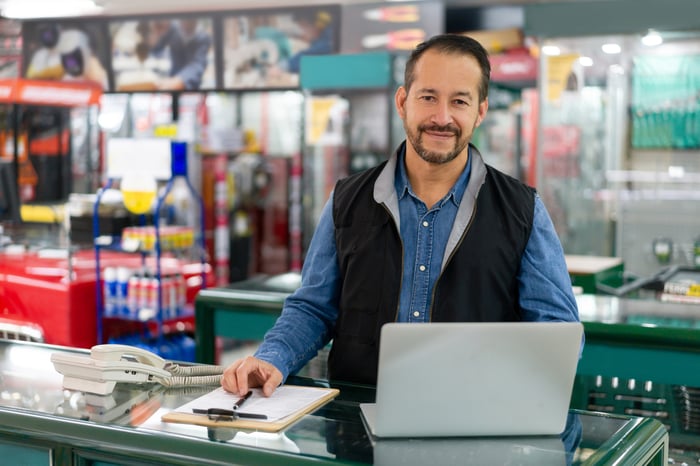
[{"x": 442, "y": 115}]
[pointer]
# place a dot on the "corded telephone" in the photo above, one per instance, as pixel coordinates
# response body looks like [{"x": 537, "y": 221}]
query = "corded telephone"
[
  {"x": 125, "y": 408},
  {"x": 108, "y": 364}
]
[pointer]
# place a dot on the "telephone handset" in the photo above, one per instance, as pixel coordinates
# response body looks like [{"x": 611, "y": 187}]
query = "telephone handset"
[{"x": 108, "y": 364}]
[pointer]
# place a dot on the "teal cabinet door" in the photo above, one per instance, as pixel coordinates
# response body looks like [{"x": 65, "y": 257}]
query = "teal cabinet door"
[{"x": 27, "y": 456}]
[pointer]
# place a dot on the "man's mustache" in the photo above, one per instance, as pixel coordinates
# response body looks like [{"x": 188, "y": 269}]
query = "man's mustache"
[{"x": 440, "y": 129}]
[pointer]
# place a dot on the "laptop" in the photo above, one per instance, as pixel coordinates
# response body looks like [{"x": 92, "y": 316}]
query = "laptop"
[
  {"x": 524, "y": 451},
  {"x": 474, "y": 379}
]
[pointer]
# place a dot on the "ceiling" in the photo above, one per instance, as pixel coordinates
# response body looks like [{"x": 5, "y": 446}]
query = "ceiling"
[
  {"x": 161, "y": 6},
  {"x": 128, "y": 7}
]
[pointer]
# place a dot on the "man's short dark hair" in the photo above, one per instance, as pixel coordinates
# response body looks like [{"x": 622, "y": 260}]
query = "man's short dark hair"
[{"x": 452, "y": 44}]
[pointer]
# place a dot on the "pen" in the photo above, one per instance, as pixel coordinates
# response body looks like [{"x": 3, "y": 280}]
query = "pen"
[
  {"x": 241, "y": 400},
  {"x": 223, "y": 414}
]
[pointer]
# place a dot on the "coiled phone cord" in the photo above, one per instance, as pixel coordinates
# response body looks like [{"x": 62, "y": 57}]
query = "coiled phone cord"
[
  {"x": 190, "y": 381},
  {"x": 176, "y": 369},
  {"x": 189, "y": 376}
]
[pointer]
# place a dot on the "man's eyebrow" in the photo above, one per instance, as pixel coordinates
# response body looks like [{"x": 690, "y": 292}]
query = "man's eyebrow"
[
  {"x": 430, "y": 90},
  {"x": 466, "y": 94}
]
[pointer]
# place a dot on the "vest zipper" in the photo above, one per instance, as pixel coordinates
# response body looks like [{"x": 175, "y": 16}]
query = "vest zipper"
[
  {"x": 397, "y": 229},
  {"x": 459, "y": 243}
]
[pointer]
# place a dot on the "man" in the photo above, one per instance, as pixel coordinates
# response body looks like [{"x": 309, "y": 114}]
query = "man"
[
  {"x": 188, "y": 47},
  {"x": 433, "y": 234}
]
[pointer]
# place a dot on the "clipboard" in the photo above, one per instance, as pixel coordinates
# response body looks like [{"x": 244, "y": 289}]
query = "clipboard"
[{"x": 321, "y": 395}]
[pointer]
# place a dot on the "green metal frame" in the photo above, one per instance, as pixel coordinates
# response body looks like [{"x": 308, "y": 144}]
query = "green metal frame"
[
  {"x": 659, "y": 354},
  {"x": 230, "y": 313}
]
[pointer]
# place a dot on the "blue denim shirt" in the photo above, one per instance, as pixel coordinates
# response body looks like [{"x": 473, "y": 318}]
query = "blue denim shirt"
[{"x": 310, "y": 312}]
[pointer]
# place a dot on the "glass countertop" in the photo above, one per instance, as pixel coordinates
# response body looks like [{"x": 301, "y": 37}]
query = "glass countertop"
[
  {"x": 641, "y": 312},
  {"x": 30, "y": 384}
]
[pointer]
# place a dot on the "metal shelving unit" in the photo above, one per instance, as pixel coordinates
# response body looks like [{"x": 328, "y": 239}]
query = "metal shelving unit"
[{"x": 158, "y": 325}]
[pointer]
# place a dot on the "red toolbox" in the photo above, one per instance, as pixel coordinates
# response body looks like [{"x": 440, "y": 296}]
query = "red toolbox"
[{"x": 57, "y": 293}]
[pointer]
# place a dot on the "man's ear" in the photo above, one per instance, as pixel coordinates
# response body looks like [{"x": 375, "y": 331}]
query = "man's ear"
[
  {"x": 400, "y": 101},
  {"x": 483, "y": 108}
]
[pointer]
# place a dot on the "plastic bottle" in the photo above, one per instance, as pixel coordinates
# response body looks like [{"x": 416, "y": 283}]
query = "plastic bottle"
[
  {"x": 152, "y": 299},
  {"x": 169, "y": 297},
  {"x": 110, "y": 292},
  {"x": 122, "y": 292},
  {"x": 181, "y": 294},
  {"x": 144, "y": 282},
  {"x": 134, "y": 294}
]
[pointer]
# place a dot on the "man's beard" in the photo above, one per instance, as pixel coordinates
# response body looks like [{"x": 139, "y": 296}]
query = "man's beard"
[{"x": 416, "y": 140}]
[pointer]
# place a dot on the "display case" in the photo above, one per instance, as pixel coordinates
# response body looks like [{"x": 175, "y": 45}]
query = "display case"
[
  {"x": 43, "y": 424},
  {"x": 48, "y": 150},
  {"x": 638, "y": 360},
  {"x": 350, "y": 121},
  {"x": 250, "y": 153},
  {"x": 618, "y": 158}
]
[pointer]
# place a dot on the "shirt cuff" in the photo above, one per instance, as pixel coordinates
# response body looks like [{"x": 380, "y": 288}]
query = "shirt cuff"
[{"x": 276, "y": 359}]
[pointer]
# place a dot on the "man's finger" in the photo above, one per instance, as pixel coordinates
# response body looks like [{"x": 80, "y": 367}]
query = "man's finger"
[{"x": 273, "y": 381}]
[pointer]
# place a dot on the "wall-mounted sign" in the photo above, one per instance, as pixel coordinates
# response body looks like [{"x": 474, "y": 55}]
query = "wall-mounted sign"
[
  {"x": 37, "y": 92},
  {"x": 513, "y": 67},
  {"x": 389, "y": 26}
]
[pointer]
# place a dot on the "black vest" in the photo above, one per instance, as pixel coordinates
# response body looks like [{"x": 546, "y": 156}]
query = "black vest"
[{"x": 478, "y": 284}]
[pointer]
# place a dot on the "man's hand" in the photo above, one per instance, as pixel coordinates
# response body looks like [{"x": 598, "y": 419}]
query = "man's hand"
[{"x": 251, "y": 372}]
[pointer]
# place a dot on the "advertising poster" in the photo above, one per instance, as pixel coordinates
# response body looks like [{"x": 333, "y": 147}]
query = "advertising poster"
[
  {"x": 163, "y": 54},
  {"x": 66, "y": 51},
  {"x": 389, "y": 26},
  {"x": 263, "y": 50},
  {"x": 11, "y": 50},
  {"x": 561, "y": 75}
]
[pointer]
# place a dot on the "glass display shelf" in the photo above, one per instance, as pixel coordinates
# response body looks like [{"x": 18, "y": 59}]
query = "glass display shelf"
[{"x": 42, "y": 421}]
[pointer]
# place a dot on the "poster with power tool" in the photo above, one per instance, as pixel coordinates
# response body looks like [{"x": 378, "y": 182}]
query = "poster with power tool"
[{"x": 265, "y": 50}]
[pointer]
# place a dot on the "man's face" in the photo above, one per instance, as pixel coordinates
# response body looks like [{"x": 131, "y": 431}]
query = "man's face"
[
  {"x": 188, "y": 27},
  {"x": 441, "y": 109}
]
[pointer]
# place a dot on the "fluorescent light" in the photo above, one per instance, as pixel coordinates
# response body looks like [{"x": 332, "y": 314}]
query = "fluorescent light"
[
  {"x": 551, "y": 50},
  {"x": 585, "y": 61},
  {"x": 675, "y": 171},
  {"x": 24, "y": 9},
  {"x": 611, "y": 48},
  {"x": 652, "y": 39}
]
